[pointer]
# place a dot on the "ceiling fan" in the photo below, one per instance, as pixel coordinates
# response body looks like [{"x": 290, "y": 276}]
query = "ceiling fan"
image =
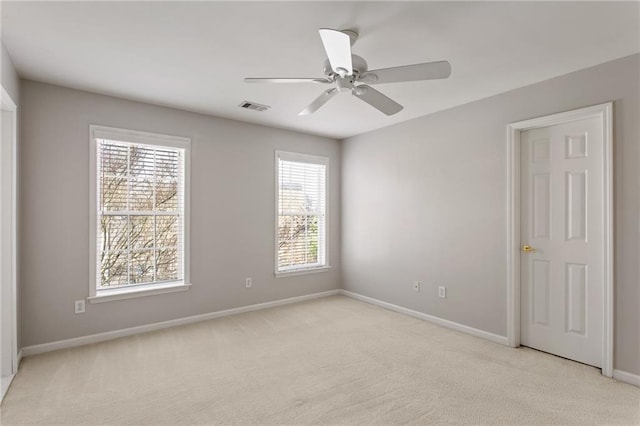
[{"x": 348, "y": 72}]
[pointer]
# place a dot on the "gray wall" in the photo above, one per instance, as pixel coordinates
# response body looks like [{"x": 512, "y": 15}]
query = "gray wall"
[
  {"x": 232, "y": 213},
  {"x": 426, "y": 200},
  {"x": 10, "y": 79}
]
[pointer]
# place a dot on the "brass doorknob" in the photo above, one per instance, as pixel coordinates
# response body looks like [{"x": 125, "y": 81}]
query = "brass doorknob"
[{"x": 527, "y": 249}]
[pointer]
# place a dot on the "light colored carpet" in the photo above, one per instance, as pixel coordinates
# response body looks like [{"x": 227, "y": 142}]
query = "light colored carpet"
[{"x": 328, "y": 361}]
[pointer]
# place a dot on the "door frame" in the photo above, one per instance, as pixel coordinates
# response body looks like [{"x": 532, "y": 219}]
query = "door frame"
[
  {"x": 604, "y": 112},
  {"x": 10, "y": 199}
]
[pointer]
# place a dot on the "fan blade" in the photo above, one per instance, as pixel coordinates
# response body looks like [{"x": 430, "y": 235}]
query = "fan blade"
[
  {"x": 286, "y": 80},
  {"x": 319, "y": 101},
  {"x": 377, "y": 99},
  {"x": 426, "y": 71},
  {"x": 338, "y": 47}
]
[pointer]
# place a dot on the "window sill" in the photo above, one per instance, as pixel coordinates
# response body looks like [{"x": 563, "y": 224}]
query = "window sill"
[
  {"x": 305, "y": 271},
  {"x": 130, "y": 293}
]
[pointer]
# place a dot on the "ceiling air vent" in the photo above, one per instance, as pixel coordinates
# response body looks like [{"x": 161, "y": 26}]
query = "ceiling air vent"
[{"x": 254, "y": 106}]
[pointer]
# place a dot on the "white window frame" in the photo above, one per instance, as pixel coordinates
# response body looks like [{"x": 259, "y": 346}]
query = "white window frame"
[
  {"x": 302, "y": 158},
  {"x": 143, "y": 138}
]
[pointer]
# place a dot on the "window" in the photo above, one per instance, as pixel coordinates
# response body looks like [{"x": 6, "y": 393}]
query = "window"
[
  {"x": 139, "y": 213},
  {"x": 301, "y": 199}
]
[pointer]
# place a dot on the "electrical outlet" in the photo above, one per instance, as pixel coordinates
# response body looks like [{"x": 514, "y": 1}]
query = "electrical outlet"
[
  {"x": 416, "y": 285},
  {"x": 442, "y": 292},
  {"x": 248, "y": 283},
  {"x": 79, "y": 306}
]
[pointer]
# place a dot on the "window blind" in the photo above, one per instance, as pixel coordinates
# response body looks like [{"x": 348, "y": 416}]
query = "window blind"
[
  {"x": 140, "y": 229},
  {"x": 301, "y": 232}
]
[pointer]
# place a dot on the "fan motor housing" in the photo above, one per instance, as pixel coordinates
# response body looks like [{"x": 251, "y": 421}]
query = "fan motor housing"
[{"x": 358, "y": 64}]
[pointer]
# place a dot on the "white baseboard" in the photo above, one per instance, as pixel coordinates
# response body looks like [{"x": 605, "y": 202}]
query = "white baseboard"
[
  {"x": 109, "y": 335},
  {"x": 5, "y": 382},
  {"x": 620, "y": 375},
  {"x": 439, "y": 321},
  {"x": 623, "y": 376}
]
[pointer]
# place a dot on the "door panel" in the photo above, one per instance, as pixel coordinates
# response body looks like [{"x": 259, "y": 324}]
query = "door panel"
[
  {"x": 541, "y": 205},
  {"x": 576, "y": 301},
  {"x": 562, "y": 280},
  {"x": 540, "y": 288},
  {"x": 576, "y": 223}
]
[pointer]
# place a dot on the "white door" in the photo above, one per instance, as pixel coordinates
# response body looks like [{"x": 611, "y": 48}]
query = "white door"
[
  {"x": 8, "y": 353},
  {"x": 562, "y": 260}
]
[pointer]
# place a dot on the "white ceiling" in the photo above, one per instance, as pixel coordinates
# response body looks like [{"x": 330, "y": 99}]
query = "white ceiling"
[{"x": 194, "y": 55}]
